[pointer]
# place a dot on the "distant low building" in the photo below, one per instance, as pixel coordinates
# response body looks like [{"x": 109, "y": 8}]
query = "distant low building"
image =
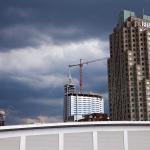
[
  {"x": 95, "y": 117},
  {"x": 2, "y": 117}
]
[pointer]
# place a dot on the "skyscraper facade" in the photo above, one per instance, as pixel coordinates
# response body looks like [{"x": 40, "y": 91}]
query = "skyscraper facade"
[{"x": 129, "y": 68}]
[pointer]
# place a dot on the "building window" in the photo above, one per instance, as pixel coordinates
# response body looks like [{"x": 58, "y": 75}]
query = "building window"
[
  {"x": 148, "y": 93},
  {"x": 130, "y": 64},
  {"x": 130, "y": 58},
  {"x": 138, "y": 68}
]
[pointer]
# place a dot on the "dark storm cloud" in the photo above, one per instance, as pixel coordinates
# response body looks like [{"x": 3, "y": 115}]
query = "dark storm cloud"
[
  {"x": 18, "y": 101},
  {"x": 92, "y": 19},
  {"x": 18, "y": 90}
]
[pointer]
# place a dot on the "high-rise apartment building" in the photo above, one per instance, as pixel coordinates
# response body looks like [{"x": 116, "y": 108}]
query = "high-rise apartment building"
[
  {"x": 76, "y": 105},
  {"x": 129, "y": 68}
]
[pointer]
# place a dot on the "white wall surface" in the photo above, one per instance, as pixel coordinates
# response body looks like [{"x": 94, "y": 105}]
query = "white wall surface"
[{"x": 77, "y": 136}]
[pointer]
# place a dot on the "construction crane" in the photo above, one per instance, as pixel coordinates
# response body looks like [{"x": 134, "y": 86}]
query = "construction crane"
[{"x": 81, "y": 69}]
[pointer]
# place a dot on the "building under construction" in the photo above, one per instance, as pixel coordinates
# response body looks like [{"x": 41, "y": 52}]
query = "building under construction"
[{"x": 77, "y": 105}]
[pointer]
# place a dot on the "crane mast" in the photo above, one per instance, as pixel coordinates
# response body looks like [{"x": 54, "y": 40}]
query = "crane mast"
[{"x": 81, "y": 69}]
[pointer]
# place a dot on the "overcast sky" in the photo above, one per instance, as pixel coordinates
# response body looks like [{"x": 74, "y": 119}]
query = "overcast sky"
[{"x": 39, "y": 38}]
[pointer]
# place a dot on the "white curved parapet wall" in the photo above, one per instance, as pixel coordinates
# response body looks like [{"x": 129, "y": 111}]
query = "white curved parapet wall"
[{"x": 77, "y": 136}]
